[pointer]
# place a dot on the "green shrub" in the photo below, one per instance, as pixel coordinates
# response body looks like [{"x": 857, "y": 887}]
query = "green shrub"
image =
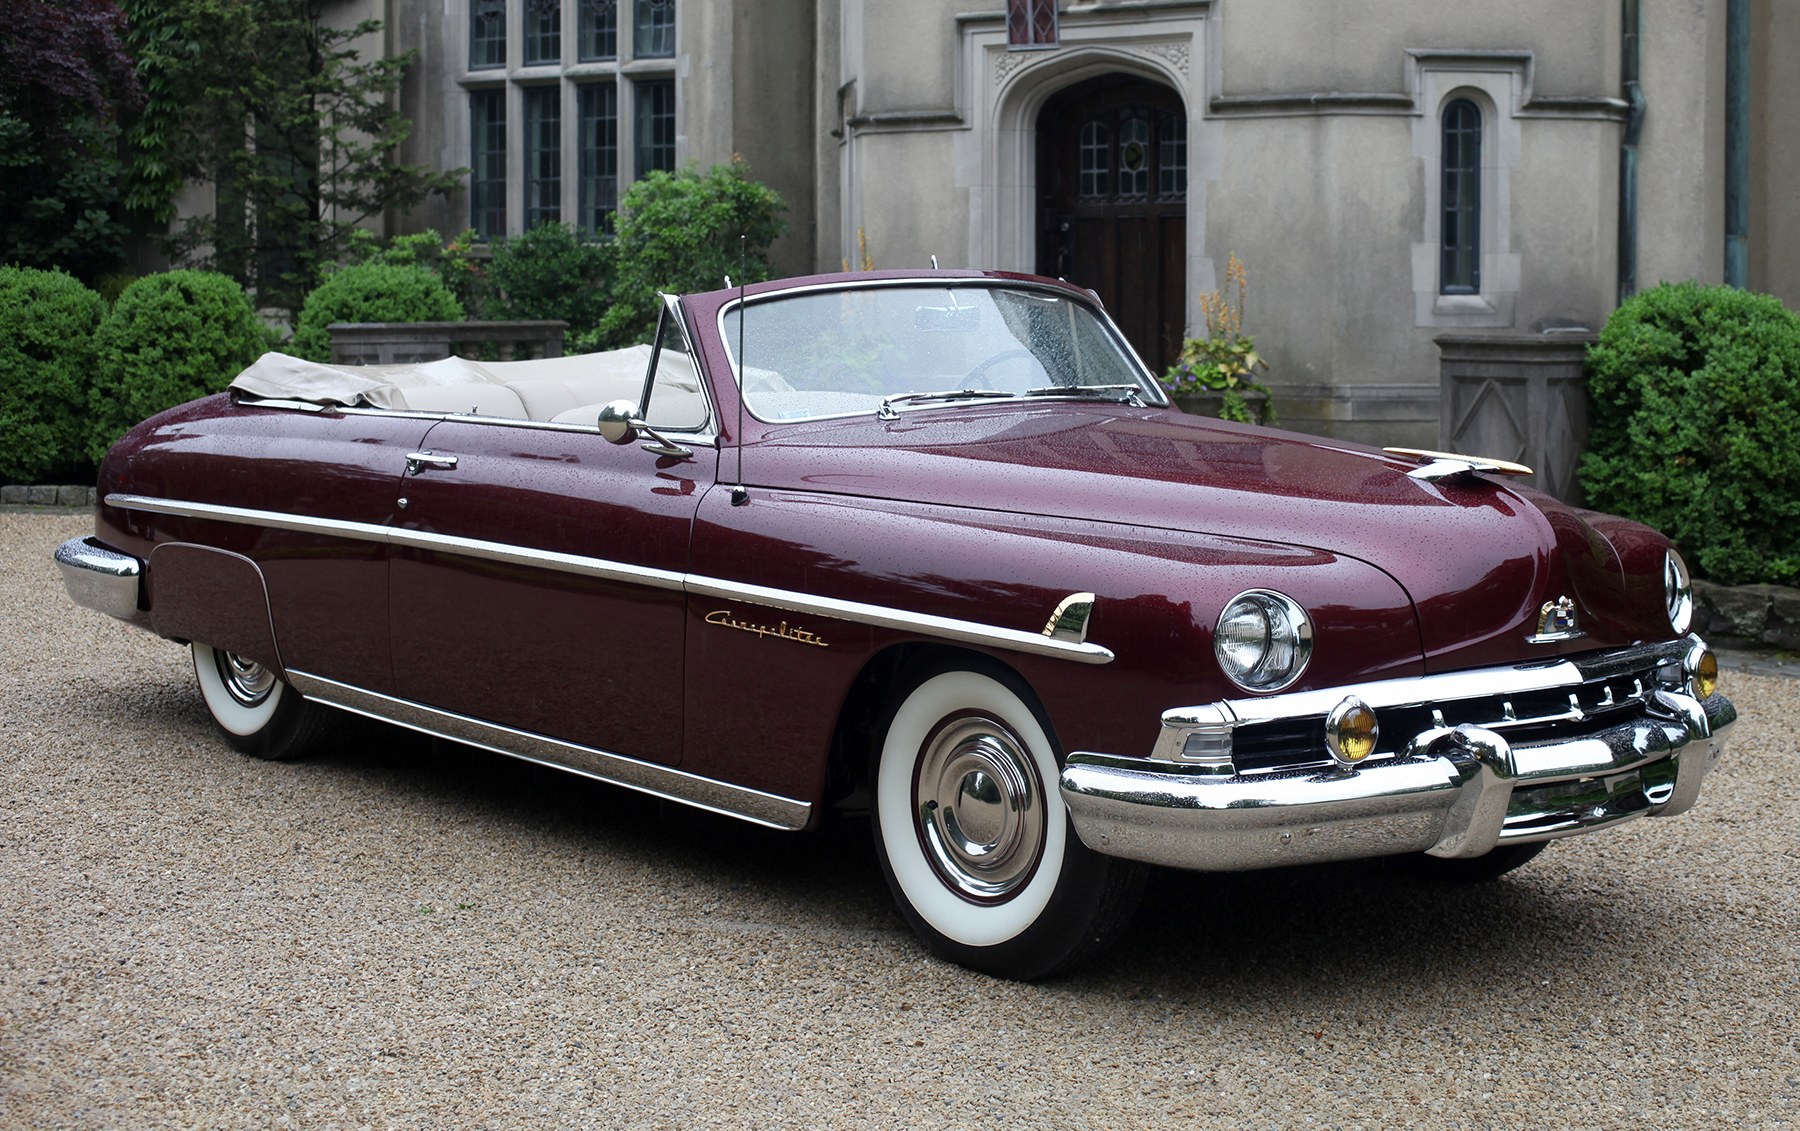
[
  {"x": 371, "y": 292},
  {"x": 455, "y": 262},
  {"x": 550, "y": 272},
  {"x": 169, "y": 339},
  {"x": 1694, "y": 427},
  {"x": 679, "y": 232},
  {"x": 47, "y": 324}
]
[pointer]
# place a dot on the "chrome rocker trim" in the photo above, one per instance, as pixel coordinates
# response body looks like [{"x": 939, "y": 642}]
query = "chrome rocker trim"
[
  {"x": 857, "y": 612},
  {"x": 755, "y": 806},
  {"x": 99, "y": 578},
  {"x": 1448, "y": 791}
]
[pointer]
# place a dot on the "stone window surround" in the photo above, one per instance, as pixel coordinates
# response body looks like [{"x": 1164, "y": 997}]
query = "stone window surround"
[{"x": 515, "y": 77}]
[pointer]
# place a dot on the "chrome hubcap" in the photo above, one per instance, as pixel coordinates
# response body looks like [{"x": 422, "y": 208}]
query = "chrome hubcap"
[
  {"x": 248, "y": 681},
  {"x": 979, "y": 806}
]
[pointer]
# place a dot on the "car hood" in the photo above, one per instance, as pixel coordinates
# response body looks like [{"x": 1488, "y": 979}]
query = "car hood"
[{"x": 1477, "y": 557}]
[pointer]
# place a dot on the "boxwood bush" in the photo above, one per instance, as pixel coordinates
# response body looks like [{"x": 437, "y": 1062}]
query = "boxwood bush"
[
  {"x": 549, "y": 272},
  {"x": 1694, "y": 427},
  {"x": 47, "y": 324},
  {"x": 170, "y": 338},
  {"x": 371, "y": 292}
]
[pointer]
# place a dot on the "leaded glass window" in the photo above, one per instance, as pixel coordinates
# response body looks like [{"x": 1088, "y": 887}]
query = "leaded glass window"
[
  {"x": 1459, "y": 270},
  {"x": 543, "y": 31},
  {"x": 487, "y": 34},
  {"x": 599, "y": 30},
  {"x": 599, "y": 156},
  {"x": 1134, "y": 157},
  {"x": 654, "y": 23},
  {"x": 543, "y": 155},
  {"x": 655, "y": 125},
  {"x": 1172, "y": 169},
  {"x": 487, "y": 163},
  {"x": 1096, "y": 159}
]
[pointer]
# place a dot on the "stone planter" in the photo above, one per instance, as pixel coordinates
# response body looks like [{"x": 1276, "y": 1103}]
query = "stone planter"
[
  {"x": 1765, "y": 615},
  {"x": 1209, "y": 403}
]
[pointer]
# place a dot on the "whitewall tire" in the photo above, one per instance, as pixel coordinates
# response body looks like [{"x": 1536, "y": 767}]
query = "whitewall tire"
[
  {"x": 257, "y": 712},
  {"x": 973, "y": 836}
]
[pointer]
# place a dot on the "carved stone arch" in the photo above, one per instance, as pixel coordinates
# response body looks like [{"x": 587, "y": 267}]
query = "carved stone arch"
[{"x": 1134, "y": 251}]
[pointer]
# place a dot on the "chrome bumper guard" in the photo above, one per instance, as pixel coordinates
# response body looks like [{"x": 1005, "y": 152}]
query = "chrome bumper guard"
[
  {"x": 100, "y": 578},
  {"x": 1447, "y": 790}
]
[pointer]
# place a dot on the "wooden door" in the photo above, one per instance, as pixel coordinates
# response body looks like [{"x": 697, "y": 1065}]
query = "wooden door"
[{"x": 1112, "y": 204}]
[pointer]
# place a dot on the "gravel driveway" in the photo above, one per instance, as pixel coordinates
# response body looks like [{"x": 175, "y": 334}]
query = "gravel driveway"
[{"x": 413, "y": 934}]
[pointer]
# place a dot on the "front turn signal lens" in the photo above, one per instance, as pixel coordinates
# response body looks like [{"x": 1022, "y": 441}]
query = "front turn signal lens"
[
  {"x": 1705, "y": 679},
  {"x": 1351, "y": 731}
]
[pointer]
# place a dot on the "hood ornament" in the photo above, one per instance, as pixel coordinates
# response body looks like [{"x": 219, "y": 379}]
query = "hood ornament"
[
  {"x": 1557, "y": 620},
  {"x": 1442, "y": 465}
]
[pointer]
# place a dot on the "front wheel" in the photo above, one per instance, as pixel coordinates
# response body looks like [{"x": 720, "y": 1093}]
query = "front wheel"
[
  {"x": 973, "y": 836},
  {"x": 255, "y": 711}
]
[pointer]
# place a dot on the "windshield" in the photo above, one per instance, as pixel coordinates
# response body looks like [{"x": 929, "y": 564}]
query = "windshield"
[{"x": 870, "y": 349}]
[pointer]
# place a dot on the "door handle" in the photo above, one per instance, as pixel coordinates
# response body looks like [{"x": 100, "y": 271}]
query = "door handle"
[{"x": 417, "y": 462}]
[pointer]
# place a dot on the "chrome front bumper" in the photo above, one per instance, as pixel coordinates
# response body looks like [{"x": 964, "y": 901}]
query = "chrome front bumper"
[
  {"x": 1449, "y": 790},
  {"x": 100, "y": 578}
]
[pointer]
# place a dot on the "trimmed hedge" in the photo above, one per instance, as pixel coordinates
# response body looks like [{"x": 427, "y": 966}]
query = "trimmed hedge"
[
  {"x": 371, "y": 292},
  {"x": 1694, "y": 427},
  {"x": 169, "y": 339},
  {"x": 47, "y": 324}
]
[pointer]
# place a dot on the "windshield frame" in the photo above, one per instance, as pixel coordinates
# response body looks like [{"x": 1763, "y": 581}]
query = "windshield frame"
[{"x": 1151, "y": 393}]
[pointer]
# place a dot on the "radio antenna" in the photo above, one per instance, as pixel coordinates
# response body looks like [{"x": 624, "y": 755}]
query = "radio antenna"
[{"x": 740, "y": 494}]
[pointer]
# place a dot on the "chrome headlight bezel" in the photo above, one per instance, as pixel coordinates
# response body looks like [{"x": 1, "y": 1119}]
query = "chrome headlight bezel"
[
  {"x": 1678, "y": 591},
  {"x": 1262, "y": 640}
]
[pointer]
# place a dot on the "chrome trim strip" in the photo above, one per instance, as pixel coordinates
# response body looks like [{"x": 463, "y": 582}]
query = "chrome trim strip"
[
  {"x": 947, "y": 628},
  {"x": 755, "y": 806},
  {"x": 966, "y": 632},
  {"x": 701, "y": 437}
]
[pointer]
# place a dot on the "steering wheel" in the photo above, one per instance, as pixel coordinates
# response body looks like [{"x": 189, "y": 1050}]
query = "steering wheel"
[{"x": 979, "y": 373}]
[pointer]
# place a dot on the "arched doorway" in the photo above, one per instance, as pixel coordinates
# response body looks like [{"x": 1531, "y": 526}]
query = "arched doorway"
[{"x": 1112, "y": 204}]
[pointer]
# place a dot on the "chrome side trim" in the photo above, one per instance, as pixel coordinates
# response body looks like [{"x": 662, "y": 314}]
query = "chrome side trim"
[
  {"x": 856, "y": 612},
  {"x": 755, "y": 806},
  {"x": 966, "y": 632},
  {"x": 1069, "y": 621}
]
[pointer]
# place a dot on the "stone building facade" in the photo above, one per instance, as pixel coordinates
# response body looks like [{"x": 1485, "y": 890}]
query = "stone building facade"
[{"x": 1388, "y": 172}]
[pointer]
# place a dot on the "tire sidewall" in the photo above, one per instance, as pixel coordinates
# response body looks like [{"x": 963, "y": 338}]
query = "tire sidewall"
[{"x": 247, "y": 722}]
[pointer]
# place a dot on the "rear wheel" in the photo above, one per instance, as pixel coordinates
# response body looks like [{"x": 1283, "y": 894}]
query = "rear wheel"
[
  {"x": 255, "y": 711},
  {"x": 973, "y": 836}
]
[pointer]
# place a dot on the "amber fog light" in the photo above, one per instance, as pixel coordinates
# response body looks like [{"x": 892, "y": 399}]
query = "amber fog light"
[
  {"x": 1351, "y": 731},
  {"x": 1704, "y": 679}
]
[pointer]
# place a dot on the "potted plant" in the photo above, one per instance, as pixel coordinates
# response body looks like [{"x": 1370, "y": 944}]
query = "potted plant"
[{"x": 1213, "y": 375}]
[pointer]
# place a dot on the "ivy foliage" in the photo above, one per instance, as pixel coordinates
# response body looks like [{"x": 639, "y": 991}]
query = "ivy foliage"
[
  {"x": 169, "y": 339},
  {"x": 296, "y": 130},
  {"x": 680, "y": 232},
  {"x": 371, "y": 292},
  {"x": 47, "y": 324},
  {"x": 1694, "y": 427},
  {"x": 66, "y": 82}
]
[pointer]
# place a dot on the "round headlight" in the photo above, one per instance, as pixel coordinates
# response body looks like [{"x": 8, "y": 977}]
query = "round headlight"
[
  {"x": 1263, "y": 640},
  {"x": 1678, "y": 592}
]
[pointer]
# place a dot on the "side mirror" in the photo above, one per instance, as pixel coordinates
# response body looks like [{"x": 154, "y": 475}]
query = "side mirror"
[{"x": 619, "y": 422}]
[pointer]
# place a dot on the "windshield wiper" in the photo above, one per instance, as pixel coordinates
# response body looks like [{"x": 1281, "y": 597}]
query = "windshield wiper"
[
  {"x": 1097, "y": 392},
  {"x": 888, "y": 412}
]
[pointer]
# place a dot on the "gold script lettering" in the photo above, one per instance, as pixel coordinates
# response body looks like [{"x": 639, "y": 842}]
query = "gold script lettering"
[{"x": 724, "y": 619}]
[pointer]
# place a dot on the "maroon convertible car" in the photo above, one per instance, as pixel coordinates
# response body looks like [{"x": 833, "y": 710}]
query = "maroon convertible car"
[{"x": 933, "y": 545}]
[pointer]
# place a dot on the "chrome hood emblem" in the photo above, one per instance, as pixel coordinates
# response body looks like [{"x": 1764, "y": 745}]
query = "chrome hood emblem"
[{"x": 1557, "y": 620}]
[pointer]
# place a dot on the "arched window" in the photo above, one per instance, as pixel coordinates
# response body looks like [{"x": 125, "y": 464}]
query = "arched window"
[{"x": 1459, "y": 268}]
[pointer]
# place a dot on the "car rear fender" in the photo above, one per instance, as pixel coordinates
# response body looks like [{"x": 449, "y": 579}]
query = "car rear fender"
[{"x": 212, "y": 596}]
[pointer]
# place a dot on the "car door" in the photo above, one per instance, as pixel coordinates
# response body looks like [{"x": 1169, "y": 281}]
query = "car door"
[{"x": 536, "y": 581}]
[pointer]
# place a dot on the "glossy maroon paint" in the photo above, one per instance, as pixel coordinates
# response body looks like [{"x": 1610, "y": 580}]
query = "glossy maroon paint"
[
  {"x": 589, "y": 660},
  {"x": 989, "y": 513}
]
